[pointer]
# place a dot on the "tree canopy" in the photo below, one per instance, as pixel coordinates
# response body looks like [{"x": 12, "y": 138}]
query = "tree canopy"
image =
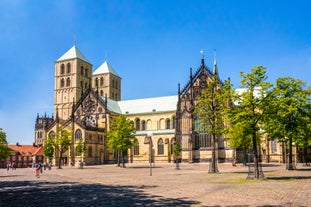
[
  {"x": 122, "y": 134},
  {"x": 5, "y": 151}
]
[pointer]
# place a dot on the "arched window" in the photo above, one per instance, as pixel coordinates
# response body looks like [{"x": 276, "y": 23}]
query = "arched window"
[
  {"x": 173, "y": 142},
  {"x": 143, "y": 125},
  {"x": 86, "y": 71},
  {"x": 101, "y": 81},
  {"x": 116, "y": 84},
  {"x": 89, "y": 151},
  {"x": 168, "y": 123},
  {"x": 137, "y": 124},
  {"x": 62, "y": 69},
  {"x": 101, "y": 92},
  {"x": 96, "y": 82},
  {"x": 52, "y": 135},
  {"x": 68, "y": 68},
  {"x": 112, "y": 83},
  {"x": 81, "y": 70},
  {"x": 78, "y": 135},
  {"x": 160, "y": 147},
  {"x": 62, "y": 82},
  {"x": 136, "y": 148},
  {"x": 68, "y": 82}
]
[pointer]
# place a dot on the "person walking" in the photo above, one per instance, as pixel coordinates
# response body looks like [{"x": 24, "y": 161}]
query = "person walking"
[{"x": 37, "y": 170}]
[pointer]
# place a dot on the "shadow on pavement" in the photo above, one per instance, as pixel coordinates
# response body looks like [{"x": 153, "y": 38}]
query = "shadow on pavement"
[
  {"x": 40, "y": 193},
  {"x": 288, "y": 177}
]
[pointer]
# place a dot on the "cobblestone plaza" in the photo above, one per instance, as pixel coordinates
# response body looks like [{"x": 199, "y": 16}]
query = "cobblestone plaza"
[{"x": 108, "y": 185}]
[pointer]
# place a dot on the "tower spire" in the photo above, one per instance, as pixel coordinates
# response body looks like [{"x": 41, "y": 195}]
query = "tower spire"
[
  {"x": 215, "y": 64},
  {"x": 202, "y": 57}
]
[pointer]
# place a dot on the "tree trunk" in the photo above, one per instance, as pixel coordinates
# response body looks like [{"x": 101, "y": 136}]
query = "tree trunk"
[
  {"x": 118, "y": 158},
  {"x": 258, "y": 174},
  {"x": 290, "y": 159},
  {"x": 213, "y": 167},
  {"x": 123, "y": 164},
  {"x": 60, "y": 161}
]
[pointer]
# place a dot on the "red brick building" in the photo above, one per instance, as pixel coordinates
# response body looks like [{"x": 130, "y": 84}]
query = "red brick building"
[{"x": 23, "y": 156}]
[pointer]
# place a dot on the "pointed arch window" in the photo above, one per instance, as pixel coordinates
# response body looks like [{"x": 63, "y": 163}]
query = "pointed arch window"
[
  {"x": 78, "y": 135},
  {"x": 68, "y": 68},
  {"x": 101, "y": 92},
  {"x": 112, "y": 83},
  {"x": 68, "y": 82},
  {"x": 137, "y": 124},
  {"x": 136, "y": 148},
  {"x": 101, "y": 81},
  {"x": 62, "y": 82},
  {"x": 62, "y": 69},
  {"x": 81, "y": 70},
  {"x": 160, "y": 147},
  {"x": 86, "y": 71}
]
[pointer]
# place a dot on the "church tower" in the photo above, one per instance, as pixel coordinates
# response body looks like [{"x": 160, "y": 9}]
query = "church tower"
[
  {"x": 73, "y": 74},
  {"x": 107, "y": 82}
]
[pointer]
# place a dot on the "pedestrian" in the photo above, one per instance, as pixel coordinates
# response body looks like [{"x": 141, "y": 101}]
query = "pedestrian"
[
  {"x": 44, "y": 166},
  {"x": 49, "y": 165},
  {"x": 7, "y": 166},
  {"x": 37, "y": 170},
  {"x": 41, "y": 170}
]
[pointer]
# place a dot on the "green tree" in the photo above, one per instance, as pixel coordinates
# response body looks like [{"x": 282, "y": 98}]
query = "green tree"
[
  {"x": 210, "y": 114},
  {"x": 61, "y": 142},
  {"x": 251, "y": 109},
  {"x": 122, "y": 134},
  {"x": 5, "y": 151},
  {"x": 290, "y": 114},
  {"x": 48, "y": 149},
  {"x": 80, "y": 150},
  {"x": 240, "y": 138},
  {"x": 177, "y": 151}
]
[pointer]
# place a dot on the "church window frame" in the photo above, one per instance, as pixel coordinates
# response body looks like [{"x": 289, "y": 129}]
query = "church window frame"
[
  {"x": 101, "y": 81},
  {"x": 62, "y": 82},
  {"x": 86, "y": 72},
  {"x": 81, "y": 70},
  {"x": 143, "y": 125},
  {"x": 62, "y": 69},
  {"x": 167, "y": 124},
  {"x": 160, "y": 147},
  {"x": 136, "y": 147},
  {"x": 78, "y": 135},
  {"x": 137, "y": 124},
  {"x": 67, "y": 82},
  {"x": 101, "y": 92},
  {"x": 68, "y": 69}
]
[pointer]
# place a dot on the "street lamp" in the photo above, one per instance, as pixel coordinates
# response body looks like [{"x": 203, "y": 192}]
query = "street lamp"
[{"x": 149, "y": 135}]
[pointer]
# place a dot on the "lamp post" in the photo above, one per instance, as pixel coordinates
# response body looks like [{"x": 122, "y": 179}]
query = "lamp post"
[{"x": 149, "y": 135}]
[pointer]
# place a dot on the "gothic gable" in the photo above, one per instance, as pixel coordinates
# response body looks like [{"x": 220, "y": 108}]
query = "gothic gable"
[{"x": 90, "y": 111}]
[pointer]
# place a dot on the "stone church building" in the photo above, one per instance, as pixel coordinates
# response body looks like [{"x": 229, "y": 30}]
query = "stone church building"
[{"x": 86, "y": 102}]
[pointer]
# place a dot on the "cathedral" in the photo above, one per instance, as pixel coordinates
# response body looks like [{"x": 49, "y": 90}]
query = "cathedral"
[{"x": 86, "y": 102}]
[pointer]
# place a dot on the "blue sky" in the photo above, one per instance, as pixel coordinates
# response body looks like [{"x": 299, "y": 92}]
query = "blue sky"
[{"x": 151, "y": 45}]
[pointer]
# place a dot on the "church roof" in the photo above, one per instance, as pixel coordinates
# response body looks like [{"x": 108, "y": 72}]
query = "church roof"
[
  {"x": 105, "y": 68},
  {"x": 145, "y": 105},
  {"x": 73, "y": 53}
]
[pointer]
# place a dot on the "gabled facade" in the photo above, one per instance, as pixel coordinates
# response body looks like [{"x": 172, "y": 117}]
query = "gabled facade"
[
  {"x": 196, "y": 145},
  {"x": 23, "y": 156}
]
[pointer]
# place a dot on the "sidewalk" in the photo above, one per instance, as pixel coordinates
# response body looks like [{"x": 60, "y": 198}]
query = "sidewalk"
[{"x": 108, "y": 185}]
